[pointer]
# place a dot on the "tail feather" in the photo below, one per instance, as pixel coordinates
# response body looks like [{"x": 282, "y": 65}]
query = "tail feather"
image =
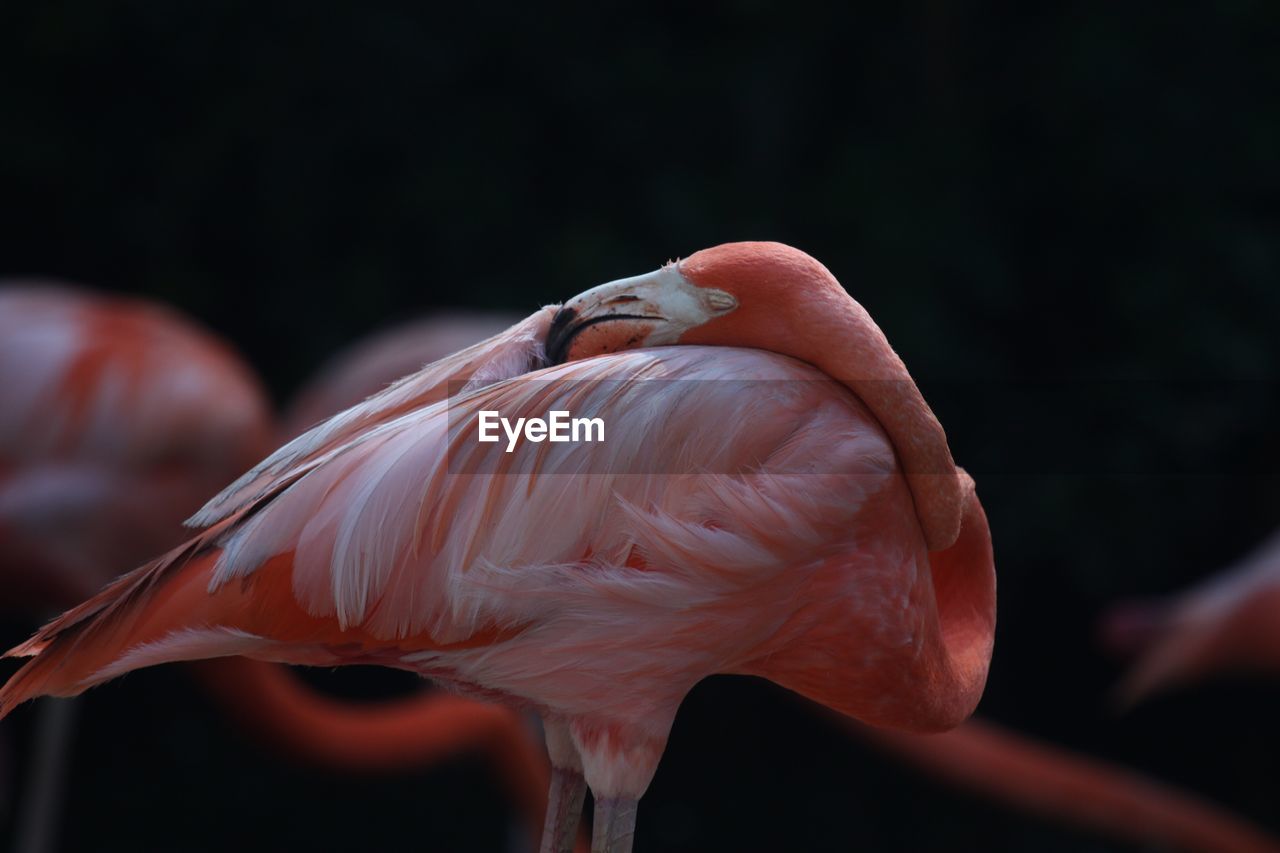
[{"x": 76, "y": 650}]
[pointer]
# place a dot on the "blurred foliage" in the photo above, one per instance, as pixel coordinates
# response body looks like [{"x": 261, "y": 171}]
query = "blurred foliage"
[{"x": 1066, "y": 219}]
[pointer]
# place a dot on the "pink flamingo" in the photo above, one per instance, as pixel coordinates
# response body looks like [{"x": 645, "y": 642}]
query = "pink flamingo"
[
  {"x": 121, "y": 417},
  {"x": 1226, "y": 624},
  {"x": 819, "y": 534},
  {"x": 1022, "y": 772}
]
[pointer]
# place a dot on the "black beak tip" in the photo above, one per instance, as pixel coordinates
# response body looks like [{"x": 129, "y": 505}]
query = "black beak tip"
[{"x": 560, "y": 334}]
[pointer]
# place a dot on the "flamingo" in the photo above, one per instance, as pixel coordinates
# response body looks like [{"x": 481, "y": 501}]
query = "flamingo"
[
  {"x": 1227, "y": 623},
  {"x": 121, "y": 417},
  {"x": 1020, "y": 771},
  {"x": 802, "y": 521}
]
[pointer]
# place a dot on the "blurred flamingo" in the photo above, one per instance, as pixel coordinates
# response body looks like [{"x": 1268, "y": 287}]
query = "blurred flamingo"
[
  {"x": 121, "y": 418},
  {"x": 119, "y": 415},
  {"x": 839, "y": 553},
  {"x": 107, "y": 439},
  {"x": 1229, "y": 623},
  {"x": 374, "y": 362},
  {"x": 1055, "y": 784}
]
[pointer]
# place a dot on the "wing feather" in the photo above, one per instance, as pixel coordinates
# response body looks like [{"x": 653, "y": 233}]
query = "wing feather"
[
  {"x": 516, "y": 351},
  {"x": 415, "y": 527}
]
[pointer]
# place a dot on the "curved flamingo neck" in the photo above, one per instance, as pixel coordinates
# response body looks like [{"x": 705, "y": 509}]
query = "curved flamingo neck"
[
  {"x": 792, "y": 305},
  {"x": 849, "y": 347},
  {"x": 405, "y": 733}
]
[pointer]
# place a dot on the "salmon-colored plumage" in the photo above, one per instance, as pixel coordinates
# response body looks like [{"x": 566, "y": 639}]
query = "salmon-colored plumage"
[{"x": 747, "y": 512}]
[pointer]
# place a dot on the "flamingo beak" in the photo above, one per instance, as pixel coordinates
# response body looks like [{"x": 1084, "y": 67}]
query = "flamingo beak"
[{"x": 653, "y": 309}]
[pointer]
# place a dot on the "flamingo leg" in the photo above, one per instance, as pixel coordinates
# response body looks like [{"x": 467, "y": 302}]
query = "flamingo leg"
[
  {"x": 5, "y": 791},
  {"x": 615, "y": 825},
  {"x": 568, "y": 789},
  {"x": 564, "y": 810},
  {"x": 38, "y": 820}
]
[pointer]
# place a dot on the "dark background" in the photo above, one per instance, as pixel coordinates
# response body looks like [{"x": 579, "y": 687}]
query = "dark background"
[{"x": 1067, "y": 221}]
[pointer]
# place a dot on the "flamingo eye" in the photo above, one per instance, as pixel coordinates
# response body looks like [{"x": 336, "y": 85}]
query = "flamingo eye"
[{"x": 720, "y": 300}]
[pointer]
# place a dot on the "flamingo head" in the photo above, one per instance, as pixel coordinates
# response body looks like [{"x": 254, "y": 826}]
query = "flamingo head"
[
  {"x": 738, "y": 294},
  {"x": 773, "y": 297}
]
